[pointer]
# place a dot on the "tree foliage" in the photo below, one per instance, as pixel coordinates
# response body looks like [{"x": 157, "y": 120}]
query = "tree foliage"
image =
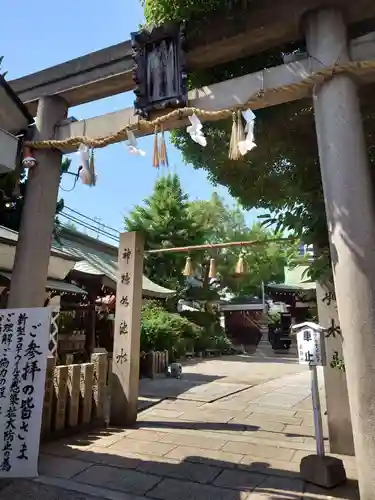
[
  {"x": 282, "y": 174},
  {"x": 168, "y": 219},
  {"x": 265, "y": 262},
  {"x": 165, "y": 221}
]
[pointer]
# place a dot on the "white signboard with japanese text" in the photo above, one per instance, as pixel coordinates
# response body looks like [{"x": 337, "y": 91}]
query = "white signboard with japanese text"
[
  {"x": 311, "y": 347},
  {"x": 24, "y": 338}
]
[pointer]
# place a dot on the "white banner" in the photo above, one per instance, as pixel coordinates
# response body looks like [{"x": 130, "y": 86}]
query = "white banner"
[{"x": 24, "y": 338}]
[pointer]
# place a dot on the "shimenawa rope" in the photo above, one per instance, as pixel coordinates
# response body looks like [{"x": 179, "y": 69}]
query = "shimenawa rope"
[{"x": 146, "y": 125}]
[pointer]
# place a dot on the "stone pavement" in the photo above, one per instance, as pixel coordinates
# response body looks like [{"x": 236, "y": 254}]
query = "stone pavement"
[{"x": 240, "y": 434}]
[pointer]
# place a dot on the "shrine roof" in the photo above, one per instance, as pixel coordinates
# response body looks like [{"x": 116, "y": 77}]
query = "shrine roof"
[{"x": 97, "y": 258}]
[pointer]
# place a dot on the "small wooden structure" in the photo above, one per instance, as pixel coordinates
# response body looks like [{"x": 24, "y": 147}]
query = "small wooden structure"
[
  {"x": 244, "y": 321},
  {"x": 296, "y": 292}
]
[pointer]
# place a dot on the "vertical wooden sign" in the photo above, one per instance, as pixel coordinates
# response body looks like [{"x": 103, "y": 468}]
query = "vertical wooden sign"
[{"x": 126, "y": 347}]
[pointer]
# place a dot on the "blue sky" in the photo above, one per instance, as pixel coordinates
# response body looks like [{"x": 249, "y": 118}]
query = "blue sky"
[{"x": 45, "y": 34}]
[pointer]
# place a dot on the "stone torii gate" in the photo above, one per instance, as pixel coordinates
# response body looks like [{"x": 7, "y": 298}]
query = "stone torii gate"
[{"x": 344, "y": 161}]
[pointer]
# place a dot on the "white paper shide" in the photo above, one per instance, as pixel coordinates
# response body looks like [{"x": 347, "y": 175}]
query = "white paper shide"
[{"x": 24, "y": 338}]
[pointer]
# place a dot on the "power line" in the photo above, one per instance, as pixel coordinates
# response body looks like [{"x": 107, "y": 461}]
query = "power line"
[
  {"x": 91, "y": 219},
  {"x": 89, "y": 226}
]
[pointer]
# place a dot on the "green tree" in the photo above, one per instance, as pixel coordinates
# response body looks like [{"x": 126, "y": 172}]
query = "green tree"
[
  {"x": 220, "y": 222},
  {"x": 165, "y": 221},
  {"x": 282, "y": 174},
  {"x": 223, "y": 223}
]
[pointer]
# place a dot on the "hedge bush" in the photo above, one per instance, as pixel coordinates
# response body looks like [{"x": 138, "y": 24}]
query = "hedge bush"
[
  {"x": 179, "y": 334},
  {"x": 162, "y": 330}
]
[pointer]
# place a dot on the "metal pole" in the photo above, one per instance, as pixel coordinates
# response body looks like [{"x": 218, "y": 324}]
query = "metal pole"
[
  {"x": 263, "y": 297},
  {"x": 319, "y": 438}
]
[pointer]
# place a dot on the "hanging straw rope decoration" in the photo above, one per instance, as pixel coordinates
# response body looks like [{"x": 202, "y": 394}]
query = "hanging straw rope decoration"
[
  {"x": 188, "y": 269},
  {"x": 354, "y": 67},
  {"x": 92, "y": 168},
  {"x": 155, "y": 157},
  {"x": 241, "y": 267},
  {"x": 233, "y": 144},
  {"x": 212, "y": 273},
  {"x": 163, "y": 156}
]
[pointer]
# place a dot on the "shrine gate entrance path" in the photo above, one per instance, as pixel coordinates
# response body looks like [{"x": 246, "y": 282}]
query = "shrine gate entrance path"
[{"x": 246, "y": 445}]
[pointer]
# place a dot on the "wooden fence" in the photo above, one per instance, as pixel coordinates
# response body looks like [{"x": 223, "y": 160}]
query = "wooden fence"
[
  {"x": 77, "y": 395},
  {"x": 153, "y": 363}
]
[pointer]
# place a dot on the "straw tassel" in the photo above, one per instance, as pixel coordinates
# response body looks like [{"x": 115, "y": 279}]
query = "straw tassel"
[
  {"x": 163, "y": 156},
  {"x": 92, "y": 169},
  {"x": 156, "y": 158},
  {"x": 212, "y": 273},
  {"x": 188, "y": 269},
  {"x": 233, "y": 146},
  {"x": 241, "y": 267}
]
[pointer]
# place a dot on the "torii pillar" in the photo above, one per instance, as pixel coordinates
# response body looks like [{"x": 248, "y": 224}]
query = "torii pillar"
[{"x": 349, "y": 200}]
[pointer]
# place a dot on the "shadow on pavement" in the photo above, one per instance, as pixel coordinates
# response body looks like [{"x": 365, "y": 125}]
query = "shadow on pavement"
[{"x": 73, "y": 466}]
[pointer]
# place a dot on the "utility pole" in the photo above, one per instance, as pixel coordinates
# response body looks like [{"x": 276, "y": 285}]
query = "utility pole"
[
  {"x": 30, "y": 269},
  {"x": 349, "y": 199}
]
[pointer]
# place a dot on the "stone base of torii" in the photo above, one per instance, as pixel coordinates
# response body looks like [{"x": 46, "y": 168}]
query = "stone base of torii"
[{"x": 351, "y": 220}]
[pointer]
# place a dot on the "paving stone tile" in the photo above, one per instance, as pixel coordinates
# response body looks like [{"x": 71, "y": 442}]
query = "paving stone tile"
[
  {"x": 208, "y": 416},
  {"x": 294, "y": 389},
  {"x": 109, "y": 456},
  {"x": 303, "y": 405},
  {"x": 30, "y": 490},
  {"x": 279, "y": 400},
  {"x": 145, "y": 435},
  {"x": 67, "y": 489},
  {"x": 305, "y": 431},
  {"x": 269, "y": 466},
  {"x": 237, "y": 405},
  {"x": 171, "y": 489},
  {"x": 255, "y": 450},
  {"x": 281, "y": 486},
  {"x": 162, "y": 424},
  {"x": 218, "y": 458},
  {"x": 143, "y": 447},
  {"x": 114, "y": 478},
  {"x": 258, "y": 424},
  {"x": 61, "y": 466},
  {"x": 239, "y": 480},
  {"x": 275, "y": 435},
  {"x": 198, "y": 473},
  {"x": 305, "y": 414},
  {"x": 62, "y": 449},
  {"x": 179, "y": 404},
  {"x": 105, "y": 441},
  {"x": 161, "y": 412},
  {"x": 265, "y": 418},
  {"x": 195, "y": 440},
  {"x": 266, "y": 410}
]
